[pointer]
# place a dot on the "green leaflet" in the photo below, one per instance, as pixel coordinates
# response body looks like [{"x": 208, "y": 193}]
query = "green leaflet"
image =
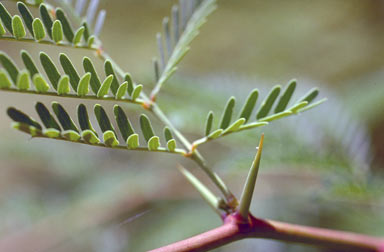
[
  {"x": 167, "y": 134},
  {"x": 2, "y": 30},
  {"x": 70, "y": 70},
  {"x": 103, "y": 91},
  {"x": 276, "y": 116},
  {"x": 5, "y": 81},
  {"x": 18, "y": 27},
  {"x": 123, "y": 122},
  {"x": 20, "y": 117},
  {"x": 67, "y": 29},
  {"x": 26, "y": 129},
  {"x": 286, "y": 97},
  {"x": 109, "y": 71},
  {"x": 38, "y": 29},
  {"x": 95, "y": 81},
  {"x": 110, "y": 139},
  {"x": 26, "y": 15},
  {"x": 9, "y": 66},
  {"x": 128, "y": 79},
  {"x": 6, "y": 18},
  {"x": 146, "y": 127},
  {"x": 295, "y": 108},
  {"x": 40, "y": 84},
  {"x": 215, "y": 134},
  {"x": 23, "y": 80},
  {"x": 83, "y": 88},
  {"x": 227, "y": 114},
  {"x": 154, "y": 143},
  {"x": 234, "y": 126},
  {"x": 57, "y": 31},
  {"x": 103, "y": 119},
  {"x": 90, "y": 137},
  {"x": 71, "y": 135},
  {"x": 50, "y": 69},
  {"x": 51, "y": 133},
  {"x": 47, "y": 20},
  {"x": 133, "y": 141},
  {"x": 208, "y": 123},
  {"x": 90, "y": 41},
  {"x": 86, "y": 31},
  {"x": 28, "y": 62},
  {"x": 78, "y": 35},
  {"x": 310, "y": 96},
  {"x": 64, "y": 119},
  {"x": 46, "y": 117},
  {"x": 249, "y": 105},
  {"x": 84, "y": 122},
  {"x": 268, "y": 102},
  {"x": 121, "y": 91},
  {"x": 171, "y": 145},
  {"x": 63, "y": 87},
  {"x": 137, "y": 91}
]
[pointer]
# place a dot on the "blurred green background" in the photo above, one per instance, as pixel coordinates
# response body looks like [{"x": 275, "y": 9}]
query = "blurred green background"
[{"x": 322, "y": 168}]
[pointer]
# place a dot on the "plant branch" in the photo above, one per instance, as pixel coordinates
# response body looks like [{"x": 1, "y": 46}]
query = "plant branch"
[{"x": 235, "y": 229}]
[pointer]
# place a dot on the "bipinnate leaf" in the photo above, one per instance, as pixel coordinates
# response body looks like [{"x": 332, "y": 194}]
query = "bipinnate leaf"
[
  {"x": 227, "y": 114},
  {"x": 90, "y": 137},
  {"x": 267, "y": 104},
  {"x": 6, "y": 18},
  {"x": 122, "y": 91},
  {"x": 85, "y": 123},
  {"x": 47, "y": 20},
  {"x": 146, "y": 127},
  {"x": 208, "y": 123},
  {"x": 78, "y": 35},
  {"x": 249, "y": 105},
  {"x": 123, "y": 122},
  {"x": 63, "y": 117},
  {"x": 137, "y": 91},
  {"x": 5, "y": 81},
  {"x": 70, "y": 70},
  {"x": 95, "y": 81},
  {"x": 102, "y": 119},
  {"x": 40, "y": 84},
  {"x": 103, "y": 91},
  {"x": 67, "y": 29},
  {"x": 310, "y": 96},
  {"x": 63, "y": 87},
  {"x": 286, "y": 97},
  {"x": 133, "y": 141},
  {"x": 154, "y": 143},
  {"x": 71, "y": 135},
  {"x": 26, "y": 15},
  {"x": 45, "y": 116},
  {"x": 38, "y": 29},
  {"x": 57, "y": 31},
  {"x": 23, "y": 82},
  {"x": 9, "y": 66},
  {"x": 20, "y": 117},
  {"x": 29, "y": 64},
  {"x": 108, "y": 67},
  {"x": 50, "y": 69},
  {"x": 83, "y": 87},
  {"x": 110, "y": 139}
]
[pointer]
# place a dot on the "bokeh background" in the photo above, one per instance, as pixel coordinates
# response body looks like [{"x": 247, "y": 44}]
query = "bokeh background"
[{"x": 322, "y": 168}]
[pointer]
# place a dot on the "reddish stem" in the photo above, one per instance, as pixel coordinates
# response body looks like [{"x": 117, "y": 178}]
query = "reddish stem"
[{"x": 234, "y": 229}]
